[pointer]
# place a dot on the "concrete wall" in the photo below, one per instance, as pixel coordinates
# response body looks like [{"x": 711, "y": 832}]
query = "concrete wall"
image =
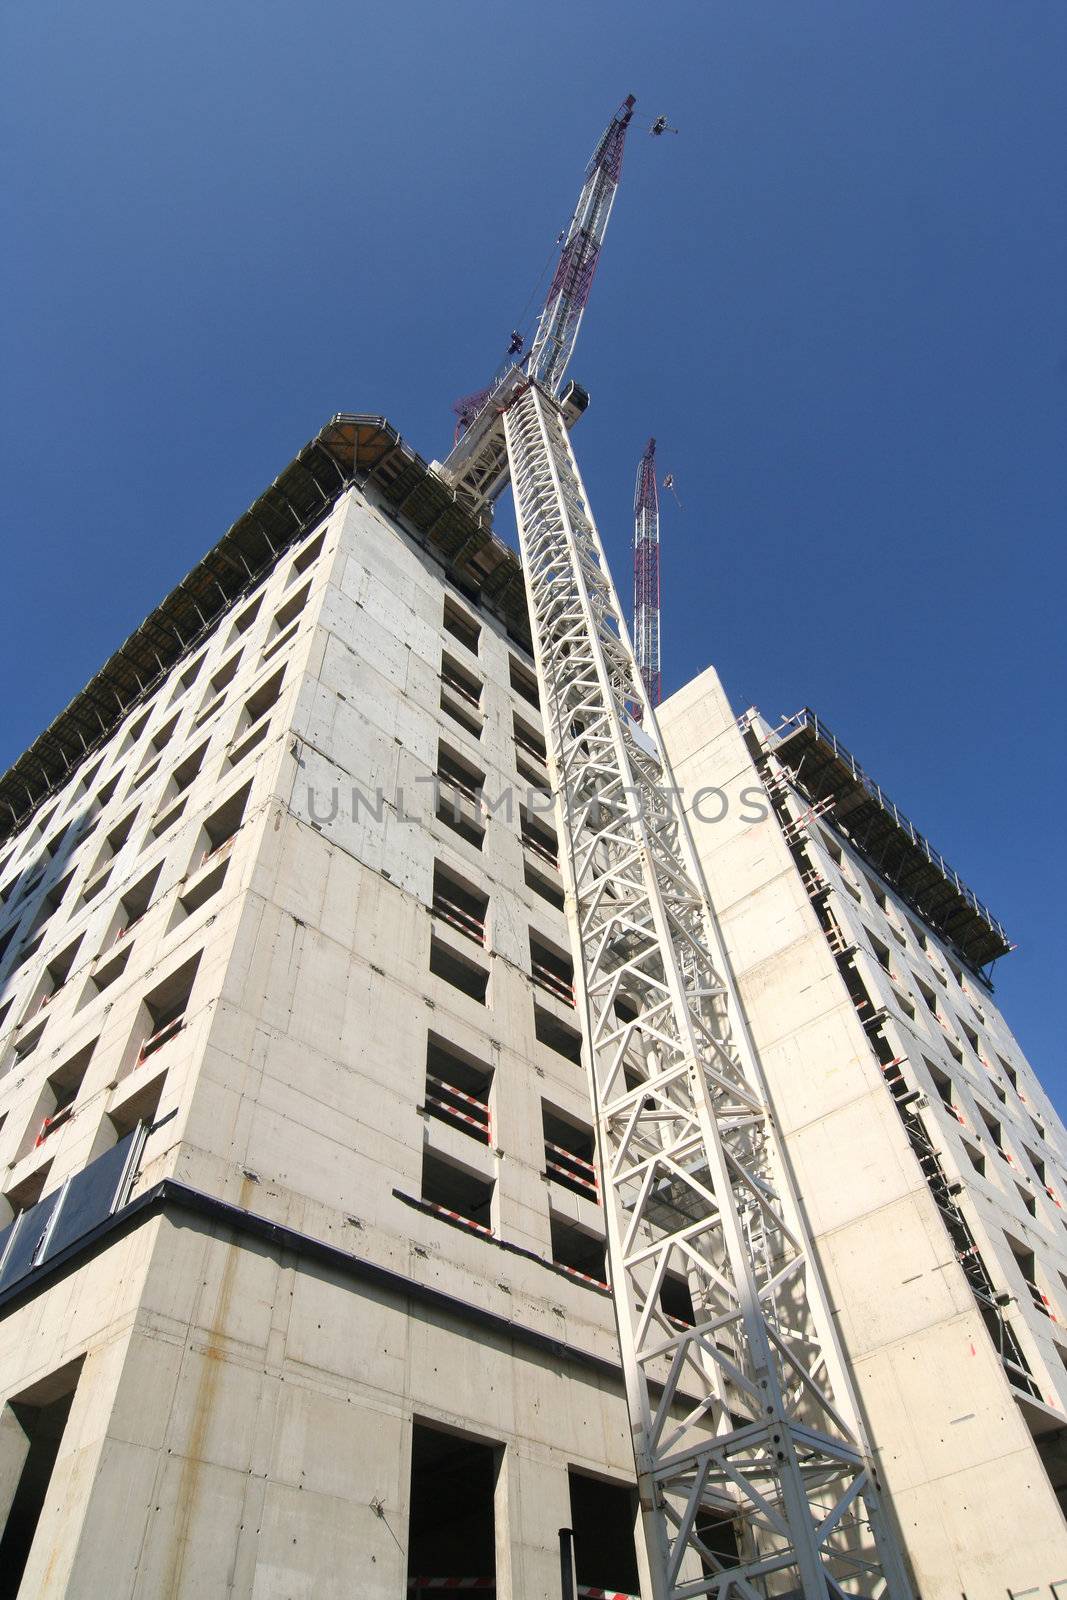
[
  {"x": 954, "y": 1439},
  {"x": 244, "y": 1403}
]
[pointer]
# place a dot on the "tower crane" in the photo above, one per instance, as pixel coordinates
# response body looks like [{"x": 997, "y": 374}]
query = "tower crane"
[
  {"x": 646, "y": 574},
  {"x": 753, "y": 1474}
]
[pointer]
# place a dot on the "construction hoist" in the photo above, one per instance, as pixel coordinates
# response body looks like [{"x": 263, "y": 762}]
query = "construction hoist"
[{"x": 753, "y": 1474}]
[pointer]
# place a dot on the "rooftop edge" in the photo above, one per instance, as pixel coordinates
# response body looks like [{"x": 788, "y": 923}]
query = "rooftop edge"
[
  {"x": 352, "y": 449},
  {"x": 824, "y": 769}
]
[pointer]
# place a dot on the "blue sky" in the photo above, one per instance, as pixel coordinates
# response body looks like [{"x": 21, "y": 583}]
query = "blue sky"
[{"x": 836, "y": 297}]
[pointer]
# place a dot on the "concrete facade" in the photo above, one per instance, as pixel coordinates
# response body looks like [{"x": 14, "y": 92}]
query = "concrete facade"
[
  {"x": 853, "y": 1011},
  {"x": 285, "y": 957},
  {"x": 242, "y": 1419}
]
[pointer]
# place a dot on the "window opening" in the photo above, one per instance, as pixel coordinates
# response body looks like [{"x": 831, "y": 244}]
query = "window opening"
[
  {"x": 456, "y": 1194},
  {"x": 557, "y": 1035},
  {"x": 602, "y": 1517},
  {"x": 105, "y": 973},
  {"x": 524, "y": 683},
  {"x": 458, "y": 797},
  {"x": 245, "y": 620},
  {"x": 457, "y": 1090},
  {"x": 461, "y": 626},
  {"x": 285, "y": 623},
  {"x": 539, "y": 838},
  {"x": 163, "y": 1012},
  {"x": 551, "y": 969},
  {"x": 529, "y": 742},
  {"x": 222, "y": 826},
  {"x": 461, "y": 696},
  {"x": 569, "y": 1155},
  {"x": 462, "y": 973},
  {"x": 56, "y": 974},
  {"x": 676, "y": 1301},
  {"x": 452, "y": 1522},
  {"x": 61, "y": 1089},
  {"x": 205, "y": 886},
  {"x": 307, "y": 556},
  {"x": 578, "y": 1252},
  {"x": 32, "y": 1433},
  {"x": 135, "y": 903},
  {"x": 187, "y": 679},
  {"x": 543, "y": 886},
  {"x": 458, "y": 904}
]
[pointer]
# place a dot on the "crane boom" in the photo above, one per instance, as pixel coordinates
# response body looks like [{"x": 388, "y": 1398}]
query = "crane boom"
[
  {"x": 477, "y": 467},
  {"x": 568, "y": 294},
  {"x": 646, "y": 574}
]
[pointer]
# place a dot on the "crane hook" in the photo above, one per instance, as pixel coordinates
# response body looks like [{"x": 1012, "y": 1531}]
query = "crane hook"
[
  {"x": 661, "y": 125},
  {"x": 668, "y": 483}
]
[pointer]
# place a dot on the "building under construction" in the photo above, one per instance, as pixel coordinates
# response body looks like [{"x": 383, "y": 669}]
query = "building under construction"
[
  {"x": 304, "y": 1278},
  {"x": 463, "y": 1128}
]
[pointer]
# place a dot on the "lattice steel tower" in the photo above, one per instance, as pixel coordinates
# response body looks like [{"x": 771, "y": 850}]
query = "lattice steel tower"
[
  {"x": 753, "y": 1474},
  {"x": 646, "y": 574}
]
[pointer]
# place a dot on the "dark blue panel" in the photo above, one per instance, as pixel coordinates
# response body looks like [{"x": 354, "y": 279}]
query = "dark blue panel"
[
  {"x": 89, "y": 1197},
  {"x": 34, "y": 1222}
]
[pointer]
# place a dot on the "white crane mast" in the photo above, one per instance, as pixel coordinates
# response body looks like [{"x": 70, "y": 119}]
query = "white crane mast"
[{"x": 753, "y": 1475}]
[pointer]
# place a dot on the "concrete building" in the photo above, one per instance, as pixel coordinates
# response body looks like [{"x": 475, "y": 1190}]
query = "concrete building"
[
  {"x": 301, "y": 1284},
  {"x": 930, "y": 1163}
]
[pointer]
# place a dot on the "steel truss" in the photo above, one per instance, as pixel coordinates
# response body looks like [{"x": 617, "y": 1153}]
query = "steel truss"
[
  {"x": 742, "y": 1421},
  {"x": 646, "y": 574}
]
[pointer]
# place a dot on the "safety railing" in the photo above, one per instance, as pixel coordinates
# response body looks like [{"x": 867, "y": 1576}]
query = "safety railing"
[
  {"x": 806, "y": 718},
  {"x": 552, "y": 982},
  {"x": 162, "y": 1035},
  {"x": 458, "y": 1218},
  {"x": 457, "y": 781},
  {"x": 538, "y": 845},
  {"x": 446, "y": 1102},
  {"x": 524, "y": 742},
  {"x": 572, "y": 1169},
  {"x": 459, "y": 917},
  {"x": 50, "y": 1124},
  {"x": 1042, "y": 1301},
  {"x": 582, "y": 1277},
  {"x": 456, "y": 685},
  {"x": 214, "y": 851}
]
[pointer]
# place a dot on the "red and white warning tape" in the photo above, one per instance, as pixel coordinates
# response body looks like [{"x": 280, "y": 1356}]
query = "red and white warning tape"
[
  {"x": 481, "y": 1119},
  {"x": 573, "y": 1272},
  {"x": 464, "y": 1222}
]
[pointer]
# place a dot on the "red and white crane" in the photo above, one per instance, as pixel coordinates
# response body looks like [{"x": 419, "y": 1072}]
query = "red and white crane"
[
  {"x": 753, "y": 1475},
  {"x": 477, "y": 467},
  {"x": 646, "y": 574}
]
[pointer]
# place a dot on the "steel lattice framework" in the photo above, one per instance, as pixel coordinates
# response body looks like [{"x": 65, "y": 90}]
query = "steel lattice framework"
[
  {"x": 477, "y": 465},
  {"x": 568, "y": 292},
  {"x": 743, "y": 1419},
  {"x": 646, "y": 574}
]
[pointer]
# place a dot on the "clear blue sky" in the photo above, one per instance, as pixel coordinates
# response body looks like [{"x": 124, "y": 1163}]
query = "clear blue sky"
[{"x": 836, "y": 297}]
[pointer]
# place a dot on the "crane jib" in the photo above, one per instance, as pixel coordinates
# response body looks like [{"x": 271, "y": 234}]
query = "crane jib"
[{"x": 574, "y": 273}]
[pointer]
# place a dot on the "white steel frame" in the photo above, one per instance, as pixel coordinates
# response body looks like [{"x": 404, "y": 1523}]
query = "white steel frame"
[{"x": 747, "y": 1416}]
